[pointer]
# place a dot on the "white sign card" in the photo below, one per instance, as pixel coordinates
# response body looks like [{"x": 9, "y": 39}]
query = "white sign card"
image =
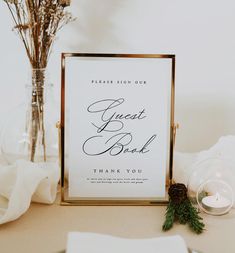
[{"x": 117, "y": 127}]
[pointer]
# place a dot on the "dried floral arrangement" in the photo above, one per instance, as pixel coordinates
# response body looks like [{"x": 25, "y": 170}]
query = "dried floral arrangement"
[{"x": 37, "y": 23}]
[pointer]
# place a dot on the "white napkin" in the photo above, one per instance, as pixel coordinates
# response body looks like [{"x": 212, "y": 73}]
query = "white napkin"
[
  {"x": 96, "y": 243},
  {"x": 24, "y": 182}
]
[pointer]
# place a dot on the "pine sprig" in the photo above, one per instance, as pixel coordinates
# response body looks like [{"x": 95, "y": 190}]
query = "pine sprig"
[
  {"x": 182, "y": 212},
  {"x": 194, "y": 220},
  {"x": 181, "y": 209},
  {"x": 170, "y": 217}
]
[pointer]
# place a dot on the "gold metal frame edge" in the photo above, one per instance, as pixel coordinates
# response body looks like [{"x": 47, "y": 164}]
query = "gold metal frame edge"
[{"x": 68, "y": 202}]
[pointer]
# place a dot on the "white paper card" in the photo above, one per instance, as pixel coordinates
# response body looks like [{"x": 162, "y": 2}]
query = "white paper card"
[
  {"x": 118, "y": 127},
  {"x": 95, "y": 243}
]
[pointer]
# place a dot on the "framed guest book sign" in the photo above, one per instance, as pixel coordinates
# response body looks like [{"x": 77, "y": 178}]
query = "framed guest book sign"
[{"x": 117, "y": 128}]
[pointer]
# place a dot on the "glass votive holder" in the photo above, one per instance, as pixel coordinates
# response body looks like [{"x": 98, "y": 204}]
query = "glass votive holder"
[
  {"x": 215, "y": 197},
  {"x": 211, "y": 185}
]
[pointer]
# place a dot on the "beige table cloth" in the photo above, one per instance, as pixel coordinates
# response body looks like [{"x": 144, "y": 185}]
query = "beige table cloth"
[{"x": 44, "y": 228}]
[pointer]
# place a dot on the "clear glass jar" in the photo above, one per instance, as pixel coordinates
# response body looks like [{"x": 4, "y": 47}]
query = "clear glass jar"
[
  {"x": 215, "y": 197},
  {"x": 211, "y": 185},
  {"x": 30, "y": 131}
]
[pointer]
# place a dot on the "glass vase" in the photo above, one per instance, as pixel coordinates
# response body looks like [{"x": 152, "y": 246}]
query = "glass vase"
[
  {"x": 30, "y": 132},
  {"x": 211, "y": 185}
]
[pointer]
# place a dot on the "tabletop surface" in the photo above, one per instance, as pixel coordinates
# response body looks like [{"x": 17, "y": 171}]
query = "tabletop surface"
[{"x": 44, "y": 228}]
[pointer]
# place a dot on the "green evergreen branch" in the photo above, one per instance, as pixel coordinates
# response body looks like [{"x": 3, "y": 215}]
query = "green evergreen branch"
[
  {"x": 170, "y": 217},
  {"x": 180, "y": 208},
  {"x": 194, "y": 220},
  {"x": 182, "y": 212}
]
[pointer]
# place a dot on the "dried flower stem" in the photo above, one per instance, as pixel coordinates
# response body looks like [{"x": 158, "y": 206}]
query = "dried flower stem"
[{"x": 37, "y": 23}]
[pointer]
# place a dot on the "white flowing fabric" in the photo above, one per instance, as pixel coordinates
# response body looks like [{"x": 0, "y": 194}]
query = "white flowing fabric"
[
  {"x": 24, "y": 182},
  {"x": 81, "y": 242}
]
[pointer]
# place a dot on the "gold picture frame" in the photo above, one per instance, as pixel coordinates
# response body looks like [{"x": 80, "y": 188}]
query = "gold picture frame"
[{"x": 112, "y": 201}]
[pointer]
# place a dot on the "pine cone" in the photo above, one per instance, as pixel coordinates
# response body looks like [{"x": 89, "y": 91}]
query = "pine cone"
[{"x": 177, "y": 193}]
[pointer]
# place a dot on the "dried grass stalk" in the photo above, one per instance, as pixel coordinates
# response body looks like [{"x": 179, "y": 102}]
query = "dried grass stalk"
[{"x": 37, "y": 23}]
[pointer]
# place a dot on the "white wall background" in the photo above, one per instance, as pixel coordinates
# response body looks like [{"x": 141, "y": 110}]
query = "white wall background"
[{"x": 201, "y": 33}]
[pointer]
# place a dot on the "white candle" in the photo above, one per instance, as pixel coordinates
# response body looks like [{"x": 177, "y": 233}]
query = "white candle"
[{"x": 216, "y": 203}]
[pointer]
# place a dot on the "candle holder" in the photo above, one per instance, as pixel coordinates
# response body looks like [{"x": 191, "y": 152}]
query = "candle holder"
[
  {"x": 210, "y": 185},
  {"x": 215, "y": 197}
]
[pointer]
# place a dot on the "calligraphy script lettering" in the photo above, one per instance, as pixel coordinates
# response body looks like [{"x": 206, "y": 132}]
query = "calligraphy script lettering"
[
  {"x": 112, "y": 121},
  {"x": 115, "y": 145}
]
